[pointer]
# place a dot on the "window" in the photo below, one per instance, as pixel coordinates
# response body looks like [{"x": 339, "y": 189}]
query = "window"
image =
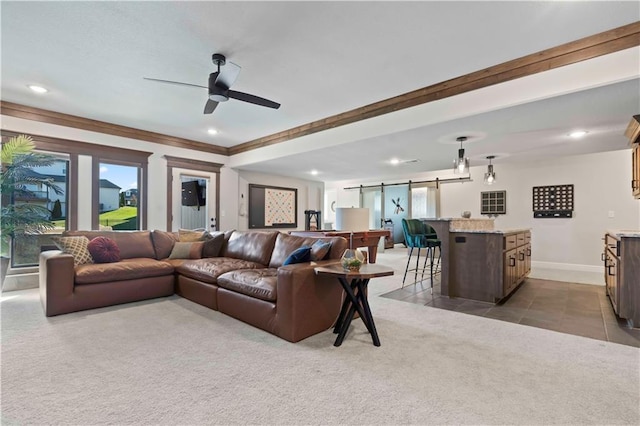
[
  {"x": 117, "y": 201},
  {"x": 26, "y": 249}
]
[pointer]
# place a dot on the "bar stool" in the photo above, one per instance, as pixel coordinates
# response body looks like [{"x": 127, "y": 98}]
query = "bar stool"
[{"x": 420, "y": 235}]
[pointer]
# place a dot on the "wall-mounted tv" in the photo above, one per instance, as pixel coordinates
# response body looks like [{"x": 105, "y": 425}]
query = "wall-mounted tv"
[{"x": 193, "y": 194}]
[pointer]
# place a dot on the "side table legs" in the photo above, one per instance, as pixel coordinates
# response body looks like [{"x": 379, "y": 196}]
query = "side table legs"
[{"x": 356, "y": 300}]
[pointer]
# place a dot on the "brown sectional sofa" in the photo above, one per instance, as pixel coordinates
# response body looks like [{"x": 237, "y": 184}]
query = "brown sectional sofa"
[{"x": 246, "y": 280}]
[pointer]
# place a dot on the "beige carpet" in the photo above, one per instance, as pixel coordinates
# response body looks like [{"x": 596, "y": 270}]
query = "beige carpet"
[{"x": 170, "y": 361}]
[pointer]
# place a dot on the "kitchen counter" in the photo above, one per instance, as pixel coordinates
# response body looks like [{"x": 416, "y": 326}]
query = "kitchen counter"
[
  {"x": 479, "y": 262},
  {"x": 492, "y": 231},
  {"x": 625, "y": 233}
]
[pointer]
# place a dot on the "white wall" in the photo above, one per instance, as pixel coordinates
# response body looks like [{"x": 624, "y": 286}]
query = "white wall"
[
  {"x": 601, "y": 185},
  {"x": 310, "y": 194}
]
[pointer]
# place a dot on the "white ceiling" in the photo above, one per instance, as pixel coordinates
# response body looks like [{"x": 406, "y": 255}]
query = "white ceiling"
[{"x": 318, "y": 59}]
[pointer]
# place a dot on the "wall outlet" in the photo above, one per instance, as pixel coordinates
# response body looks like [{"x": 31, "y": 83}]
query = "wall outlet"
[{"x": 612, "y": 213}]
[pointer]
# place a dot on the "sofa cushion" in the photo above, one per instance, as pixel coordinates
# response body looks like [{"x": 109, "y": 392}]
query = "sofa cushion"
[
  {"x": 187, "y": 250},
  {"x": 320, "y": 250},
  {"x": 253, "y": 246},
  {"x": 258, "y": 283},
  {"x": 77, "y": 246},
  {"x": 163, "y": 242},
  {"x": 132, "y": 244},
  {"x": 286, "y": 244},
  {"x": 191, "y": 235},
  {"x": 299, "y": 255},
  {"x": 104, "y": 250},
  {"x": 126, "y": 269},
  {"x": 209, "y": 269}
]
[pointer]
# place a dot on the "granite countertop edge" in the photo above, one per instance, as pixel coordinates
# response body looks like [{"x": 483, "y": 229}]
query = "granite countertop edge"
[
  {"x": 492, "y": 231},
  {"x": 625, "y": 233}
]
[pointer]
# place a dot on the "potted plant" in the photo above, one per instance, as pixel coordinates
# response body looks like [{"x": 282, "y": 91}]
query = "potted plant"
[{"x": 18, "y": 215}]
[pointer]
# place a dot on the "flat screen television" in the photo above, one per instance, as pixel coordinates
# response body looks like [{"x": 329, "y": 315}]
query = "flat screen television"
[{"x": 192, "y": 194}]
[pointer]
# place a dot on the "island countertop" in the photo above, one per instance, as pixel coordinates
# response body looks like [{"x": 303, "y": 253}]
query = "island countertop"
[
  {"x": 493, "y": 231},
  {"x": 625, "y": 233}
]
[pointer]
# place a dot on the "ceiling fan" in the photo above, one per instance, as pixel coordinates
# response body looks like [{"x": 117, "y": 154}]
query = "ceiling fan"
[{"x": 219, "y": 84}]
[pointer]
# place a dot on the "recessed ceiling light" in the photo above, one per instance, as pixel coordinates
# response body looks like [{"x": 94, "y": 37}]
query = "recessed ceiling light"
[
  {"x": 578, "y": 134},
  {"x": 212, "y": 131},
  {"x": 314, "y": 172},
  {"x": 37, "y": 89},
  {"x": 394, "y": 161}
]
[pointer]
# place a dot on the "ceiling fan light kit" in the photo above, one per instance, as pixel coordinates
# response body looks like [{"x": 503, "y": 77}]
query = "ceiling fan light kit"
[
  {"x": 461, "y": 164},
  {"x": 219, "y": 84}
]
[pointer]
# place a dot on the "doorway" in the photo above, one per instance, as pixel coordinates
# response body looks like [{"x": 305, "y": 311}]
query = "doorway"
[{"x": 193, "y": 191}]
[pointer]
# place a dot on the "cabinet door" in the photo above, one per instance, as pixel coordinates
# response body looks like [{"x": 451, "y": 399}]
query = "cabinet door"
[
  {"x": 635, "y": 170},
  {"x": 521, "y": 263},
  {"x": 611, "y": 273},
  {"x": 527, "y": 268},
  {"x": 510, "y": 270}
]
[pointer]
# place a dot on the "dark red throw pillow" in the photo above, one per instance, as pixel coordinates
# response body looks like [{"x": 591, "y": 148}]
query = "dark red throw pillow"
[{"x": 104, "y": 250}]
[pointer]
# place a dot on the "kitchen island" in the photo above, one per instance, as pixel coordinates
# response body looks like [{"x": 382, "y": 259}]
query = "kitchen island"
[
  {"x": 479, "y": 262},
  {"x": 621, "y": 258}
]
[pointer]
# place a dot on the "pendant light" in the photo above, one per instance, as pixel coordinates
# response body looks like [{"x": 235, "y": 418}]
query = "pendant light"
[
  {"x": 490, "y": 176},
  {"x": 461, "y": 164}
]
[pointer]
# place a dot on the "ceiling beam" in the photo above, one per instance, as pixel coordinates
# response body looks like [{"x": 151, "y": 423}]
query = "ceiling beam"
[
  {"x": 52, "y": 117},
  {"x": 576, "y": 51}
]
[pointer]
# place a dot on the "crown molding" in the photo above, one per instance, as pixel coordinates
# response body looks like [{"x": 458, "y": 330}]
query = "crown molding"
[{"x": 61, "y": 119}]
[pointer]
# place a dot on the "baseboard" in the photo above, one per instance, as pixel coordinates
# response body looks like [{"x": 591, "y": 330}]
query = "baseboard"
[{"x": 569, "y": 272}]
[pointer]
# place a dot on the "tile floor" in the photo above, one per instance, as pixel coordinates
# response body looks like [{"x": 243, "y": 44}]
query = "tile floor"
[{"x": 579, "y": 309}]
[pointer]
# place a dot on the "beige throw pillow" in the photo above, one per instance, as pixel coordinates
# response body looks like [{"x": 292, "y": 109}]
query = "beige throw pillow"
[{"x": 75, "y": 246}]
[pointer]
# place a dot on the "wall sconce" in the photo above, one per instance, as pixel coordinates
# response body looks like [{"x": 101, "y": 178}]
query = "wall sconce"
[
  {"x": 490, "y": 176},
  {"x": 461, "y": 164}
]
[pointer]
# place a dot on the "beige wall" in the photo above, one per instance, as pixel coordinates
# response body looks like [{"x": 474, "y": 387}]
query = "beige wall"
[{"x": 601, "y": 184}]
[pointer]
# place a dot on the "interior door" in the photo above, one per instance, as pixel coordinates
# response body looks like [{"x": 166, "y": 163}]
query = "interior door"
[
  {"x": 371, "y": 198},
  {"x": 194, "y": 200}
]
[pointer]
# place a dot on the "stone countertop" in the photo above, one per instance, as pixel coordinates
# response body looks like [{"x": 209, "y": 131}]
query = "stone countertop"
[
  {"x": 625, "y": 233},
  {"x": 493, "y": 231}
]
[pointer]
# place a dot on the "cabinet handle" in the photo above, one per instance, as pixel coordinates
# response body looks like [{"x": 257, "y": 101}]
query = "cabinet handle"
[
  {"x": 529, "y": 252},
  {"x": 521, "y": 254},
  {"x": 512, "y": 261},
  {"x": 609, "y": 270}
]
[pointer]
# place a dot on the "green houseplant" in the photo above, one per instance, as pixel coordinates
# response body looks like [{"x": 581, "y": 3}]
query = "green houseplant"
[{"x": 19, "y": 216}]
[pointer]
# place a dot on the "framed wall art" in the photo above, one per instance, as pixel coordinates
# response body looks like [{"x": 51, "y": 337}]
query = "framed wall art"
[
  {"x": 493, "y": 202},
  {"x": 272, "y": 207}
]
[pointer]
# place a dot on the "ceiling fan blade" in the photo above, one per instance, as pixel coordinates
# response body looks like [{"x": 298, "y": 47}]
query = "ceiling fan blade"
[
  {"x": 228, "y": 75},
  {"x": 252, "y": 99},
  {"x": 174, "y": 82},
  {"x": 210, "y": 106}
]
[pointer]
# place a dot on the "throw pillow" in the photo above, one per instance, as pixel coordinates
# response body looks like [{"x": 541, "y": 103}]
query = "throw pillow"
[
  {"x": 183, "y": 250},
  {"x": 75, "y": 246},
  {"x": 163, "y": 242},
  {"x": 104, "y": 250},
  {"x": 320, "y": 250},
  {"x": 213, "y": 244},
  {"x": 189, "y": 236},
  {"x": 303, "y": 254}
]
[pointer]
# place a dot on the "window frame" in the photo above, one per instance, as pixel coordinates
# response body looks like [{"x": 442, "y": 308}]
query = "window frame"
[{"x": 141, "y": 162}]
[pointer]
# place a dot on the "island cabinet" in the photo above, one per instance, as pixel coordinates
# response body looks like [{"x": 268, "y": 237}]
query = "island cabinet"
[
  {"x": 489, "y": 265},
  {"x": 621, "y": 256}
]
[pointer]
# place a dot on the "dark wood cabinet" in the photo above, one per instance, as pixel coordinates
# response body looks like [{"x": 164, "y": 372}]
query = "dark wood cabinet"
[
  {"x": 633, "y": 133},
  {"x": 635, "y": 167},
  {"x": 621, "y": 258},
  {"x": 488, "y": 266}
]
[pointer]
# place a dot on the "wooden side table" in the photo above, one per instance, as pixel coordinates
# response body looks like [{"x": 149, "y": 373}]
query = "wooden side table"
[{"x": 355, "y": 284}]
